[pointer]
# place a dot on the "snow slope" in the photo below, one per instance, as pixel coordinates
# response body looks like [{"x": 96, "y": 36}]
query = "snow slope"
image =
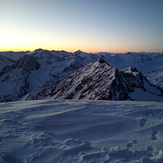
[{"x": 81, "y": 131}]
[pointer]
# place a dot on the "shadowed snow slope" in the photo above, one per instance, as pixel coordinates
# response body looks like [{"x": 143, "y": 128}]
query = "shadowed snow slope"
[
  {"x": 81, "y": 132},
  {"x": 100, "y": 81}
]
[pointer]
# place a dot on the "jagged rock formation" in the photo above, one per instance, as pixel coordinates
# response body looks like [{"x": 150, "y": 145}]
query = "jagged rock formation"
[{"x": 99, "y": 81}]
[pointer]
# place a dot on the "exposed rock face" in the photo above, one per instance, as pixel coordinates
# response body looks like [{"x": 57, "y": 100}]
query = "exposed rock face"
[
  {"x": 97, "y": 81},
  {"x": 26, "y": 63}
]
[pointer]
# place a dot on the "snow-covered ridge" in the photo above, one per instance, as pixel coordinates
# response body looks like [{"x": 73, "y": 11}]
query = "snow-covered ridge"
[
  {"x": 100, "y": 81},
  {"x": 53, "y": 66}
]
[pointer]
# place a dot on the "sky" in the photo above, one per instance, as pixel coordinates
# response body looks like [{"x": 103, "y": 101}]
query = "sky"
[{"x": 87, "y": 25}]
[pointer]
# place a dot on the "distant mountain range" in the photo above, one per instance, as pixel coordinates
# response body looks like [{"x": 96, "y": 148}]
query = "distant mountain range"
[{"x": 79, "y": 75}]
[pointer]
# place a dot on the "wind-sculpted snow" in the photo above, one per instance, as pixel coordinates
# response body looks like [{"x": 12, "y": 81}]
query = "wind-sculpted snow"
[{"x": 81, "y": 131}]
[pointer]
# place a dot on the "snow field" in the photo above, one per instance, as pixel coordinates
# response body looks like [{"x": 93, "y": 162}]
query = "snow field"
[{"x": 81, "y": 131}]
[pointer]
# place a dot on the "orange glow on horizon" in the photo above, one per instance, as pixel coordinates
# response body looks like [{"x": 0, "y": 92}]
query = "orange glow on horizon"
[
  {"x": 70, "y": 50},
  {"x": 60, "y": 49},
  {"x": 94, "y": 48}
]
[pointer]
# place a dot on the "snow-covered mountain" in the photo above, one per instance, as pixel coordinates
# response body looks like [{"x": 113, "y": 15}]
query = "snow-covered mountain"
[
  {"x": 14, "y": 81},
  {"x": 100, "y": 81},
  {"x": 21, "y": 79}
]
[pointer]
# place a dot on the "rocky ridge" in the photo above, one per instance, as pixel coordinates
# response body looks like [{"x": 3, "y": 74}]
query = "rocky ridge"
[{"x": 99, "y": 81}]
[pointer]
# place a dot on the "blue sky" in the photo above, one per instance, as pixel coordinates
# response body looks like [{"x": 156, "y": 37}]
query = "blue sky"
[{"x": 88, "y": 25}]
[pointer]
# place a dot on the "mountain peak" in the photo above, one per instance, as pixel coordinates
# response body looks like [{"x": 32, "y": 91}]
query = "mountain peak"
[
  {"x": 28, "y": 63},
  {"x": 78, "y": 52},
  {"x": 39, "y": 50},
  {"x": 94, "y": 81},
  {"x": 97, "y": 81},
  {"x": 102, "y": 60}
]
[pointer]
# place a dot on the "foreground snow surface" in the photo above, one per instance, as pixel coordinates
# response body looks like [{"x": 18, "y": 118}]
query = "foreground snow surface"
[{"x": 48, "y": 131}]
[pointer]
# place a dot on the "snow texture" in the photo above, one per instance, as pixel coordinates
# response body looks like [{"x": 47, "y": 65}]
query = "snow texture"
[{"x": 65, "y": 131}]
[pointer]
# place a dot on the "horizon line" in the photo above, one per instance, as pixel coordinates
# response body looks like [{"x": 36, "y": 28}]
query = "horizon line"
[{"x": 81, "y": 51}]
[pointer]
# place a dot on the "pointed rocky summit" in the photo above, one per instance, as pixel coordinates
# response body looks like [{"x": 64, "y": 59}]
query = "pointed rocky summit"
[{"x": 99, "y": 81}]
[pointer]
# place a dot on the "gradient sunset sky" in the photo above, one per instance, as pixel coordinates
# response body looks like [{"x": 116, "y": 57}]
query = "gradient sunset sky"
[{"x": 88, "y": 25}]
